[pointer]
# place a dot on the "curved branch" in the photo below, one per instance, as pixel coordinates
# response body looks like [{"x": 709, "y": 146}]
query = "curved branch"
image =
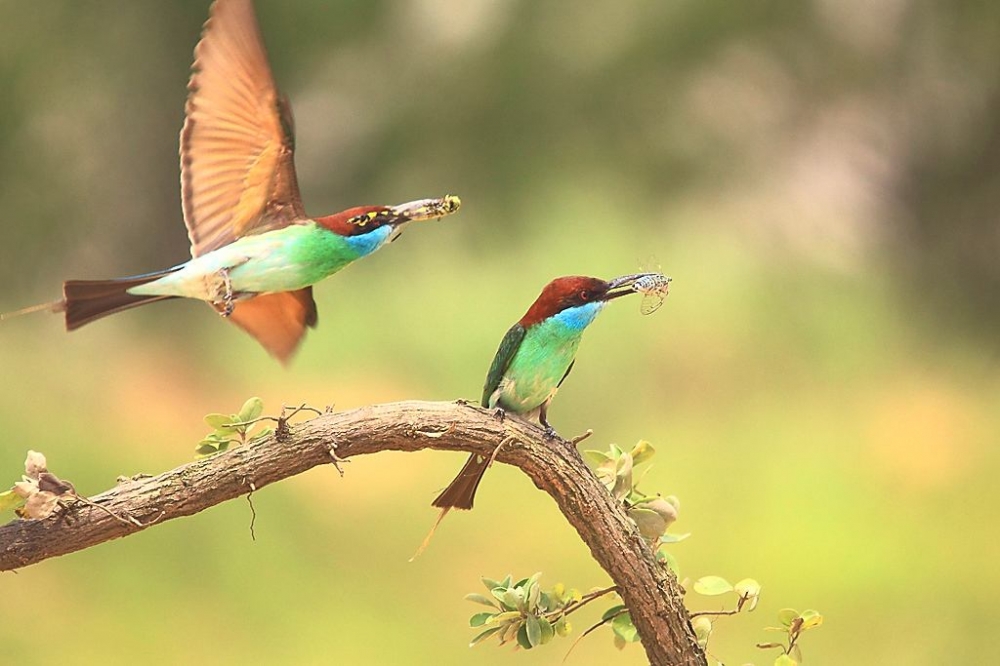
[{"x": 650, "y": 592}]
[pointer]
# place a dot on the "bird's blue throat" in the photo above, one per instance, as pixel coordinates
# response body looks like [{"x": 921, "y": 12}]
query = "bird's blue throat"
[
  {"x": 365, "y": 244},
  {"x": 579, "y": 317}
]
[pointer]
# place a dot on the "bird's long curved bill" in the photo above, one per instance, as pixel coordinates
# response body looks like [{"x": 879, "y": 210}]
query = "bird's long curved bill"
[{"x": 427, "y": 209}]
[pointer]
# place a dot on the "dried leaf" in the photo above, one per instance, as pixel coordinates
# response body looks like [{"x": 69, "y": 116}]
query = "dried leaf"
[{"x": 34, "y": 464}]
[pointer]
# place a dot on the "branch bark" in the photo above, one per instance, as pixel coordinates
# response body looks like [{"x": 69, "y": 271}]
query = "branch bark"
[{"x": 650, "y": 592}]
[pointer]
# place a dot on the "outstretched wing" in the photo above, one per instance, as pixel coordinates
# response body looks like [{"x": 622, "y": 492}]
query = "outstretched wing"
[
  {"x": 237, "y": 169},
  {"x": 278, "y": 321},
  {"x": 508, "y": 347}
]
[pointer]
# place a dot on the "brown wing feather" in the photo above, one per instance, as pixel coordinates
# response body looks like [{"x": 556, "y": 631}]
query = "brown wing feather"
[
  {"x": 237, "y": 168},
  {"x": 278, "y": 321}
]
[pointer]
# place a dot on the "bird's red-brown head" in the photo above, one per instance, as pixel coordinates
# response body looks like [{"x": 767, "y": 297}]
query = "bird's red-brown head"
[
  {"x": 365, "y": 219},
  {"x": 573, "y": 291}
]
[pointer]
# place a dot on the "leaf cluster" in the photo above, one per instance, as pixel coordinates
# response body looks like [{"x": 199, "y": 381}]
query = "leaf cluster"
[
  {"x": 793, "y": 625},
  {"x": 522, "y": 612},
  {"x": 652, "y": 514},
  {"x": 232, "y": 429}
]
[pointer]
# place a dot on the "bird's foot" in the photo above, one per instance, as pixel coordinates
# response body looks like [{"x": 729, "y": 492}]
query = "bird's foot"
[
  {"x": 223, "y": 296},
  {"x": 499, "y": 414},
  {"x": 550, "y": 432}
]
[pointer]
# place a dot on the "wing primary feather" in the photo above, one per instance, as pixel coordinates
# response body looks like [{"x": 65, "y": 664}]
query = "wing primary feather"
[{"x": 501, "y": 360}]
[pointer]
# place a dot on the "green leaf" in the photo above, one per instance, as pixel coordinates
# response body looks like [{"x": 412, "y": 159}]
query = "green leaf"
[
  {"x": 711, "y": 586},
  {"x": 811, "y": 619},
  {"x": 563, "y": 626},
  {"x": 785, "y": 660},
  {"x": 606, "y": 475},
  {"x": 522, "y": 637},
  {"x": 219, "y": 422},
  {"x": 651, "y": 524},
  {"x": 509, "y": 599},
  {"x": 623, "y": 477},
  {"x": 251, "y": 409},
  {"x": 483, "y": 636},
  {"x": 666, "y": 557},
  {"x": 534, "y": 594},
  {"x": 786, "y": 616},
  {"x": 479, "y": 619},
  {"x": 674, "y": 538},
  {"x": 480, "y": 599},
  {"x": 620, "y": 642},
  {"x": 702, "y": 626},
  {"x": 596, "y": 458},
  {"x": 507, "y": 616},
  {"x": 611, "y": 612},
  {"x": 748, "y": 589},
  {"x": 204, "y": 450},
  {"x": 622, "y": 626},
  {"x": 547, "y": 631},
  {"x": 533, "y": 631},
  {"x": 490, "y": 583},
  {"x": 642, "y": 452},
  {"x": 10, "y": 500}
]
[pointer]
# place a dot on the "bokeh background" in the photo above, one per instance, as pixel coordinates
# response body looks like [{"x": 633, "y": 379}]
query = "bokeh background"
[{"x": 819, "y": 177}]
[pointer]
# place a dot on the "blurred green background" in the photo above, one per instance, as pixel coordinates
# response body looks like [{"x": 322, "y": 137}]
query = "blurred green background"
[{"x": 820, "y": 179}]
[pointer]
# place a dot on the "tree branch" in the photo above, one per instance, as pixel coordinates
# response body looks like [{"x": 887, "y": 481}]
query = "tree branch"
[{"x": 650, "y": 592}]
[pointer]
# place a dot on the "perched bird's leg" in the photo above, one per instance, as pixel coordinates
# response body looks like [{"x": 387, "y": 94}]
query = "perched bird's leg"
[
  {"x": 222, "y": 299},
  {"x": 543, "y": 412},
  {"x": 499, "y": 414}
]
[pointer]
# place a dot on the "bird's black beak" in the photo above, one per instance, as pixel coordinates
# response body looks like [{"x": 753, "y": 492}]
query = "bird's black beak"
[{"x": 636, "y": 283}]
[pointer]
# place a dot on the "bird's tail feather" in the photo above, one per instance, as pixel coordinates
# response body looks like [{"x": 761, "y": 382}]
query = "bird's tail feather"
[
  {"x": 85, "y": 301},
  {"x": 54, "y": 306},
  {"x": 461, "y": 492}
]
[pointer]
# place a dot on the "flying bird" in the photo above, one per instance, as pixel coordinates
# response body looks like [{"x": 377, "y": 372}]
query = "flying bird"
[{"x": 255, "y": 253}]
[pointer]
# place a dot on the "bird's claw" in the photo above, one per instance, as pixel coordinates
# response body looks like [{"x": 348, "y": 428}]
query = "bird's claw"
[
  {"x": 499, "y": 414},
  {"x": 550, "y": 433}
]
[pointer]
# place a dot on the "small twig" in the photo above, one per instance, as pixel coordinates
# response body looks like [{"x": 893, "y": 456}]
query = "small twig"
[
  {"x": 721, "y": 612},
  {"x": 584, "y": 600},
  {"x": 600, "y": 624},
  {"x": 739, "y": 608},
  {"x": 253, "y": 511},
  {"x": 131, "y": 521},
  {"x": 579, "y": 438},
  {"x": 301, "y": 408},
  {"x": 335, "y": 459},
  {"x": 509, "y": 439}
]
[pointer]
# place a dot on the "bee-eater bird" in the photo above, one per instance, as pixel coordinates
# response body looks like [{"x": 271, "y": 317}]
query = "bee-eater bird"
[
  {"x": 255, "y": 252},
  {"x": 536, "y": 355}
]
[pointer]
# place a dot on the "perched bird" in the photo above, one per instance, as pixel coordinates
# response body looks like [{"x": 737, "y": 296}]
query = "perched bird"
[
  {"x": 536, "y": 355},
  {"x": 255, "y": 252}
]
